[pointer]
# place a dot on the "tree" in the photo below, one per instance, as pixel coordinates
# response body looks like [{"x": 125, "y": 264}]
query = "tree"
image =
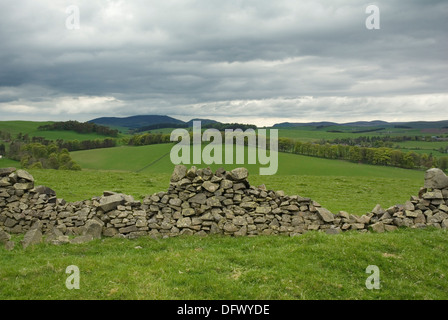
[
  {"x": 443, "y": 163},
  {"x": 53, "y": 161}
]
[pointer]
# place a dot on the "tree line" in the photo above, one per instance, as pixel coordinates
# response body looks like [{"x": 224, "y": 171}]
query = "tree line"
[
  {"x": 375, "y": 141},
  {"x": 212, "y": 125},
  {"x": 369, "y": 155},
  {"x": 80, "y": 127},
  {"x": 40, "y": 156}
]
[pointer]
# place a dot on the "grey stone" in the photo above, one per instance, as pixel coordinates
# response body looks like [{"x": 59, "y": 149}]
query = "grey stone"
[
  {"x": 53, "y": 234},
  {"x": 140, "y": 223},
  {"x": 191, "y": 173},
  {"x": 180, "y": 171},
  {"x": 4, "y": 237},
  {"x": 110, "y": 232},
  {"x": 188, "y": 212},
  {"x": 44, "y": 190},
  {"x": 436, "y": 179},
  {"x": 9, "y": 222},
  {"x": 239, "y": 174},
  {"x": 412, "y": 214},
  {"x": 378, "y": 210},
  {"x": 131, "y": 228},
  {"x": 325, "y": 214},
  {"x": 94, "y": 228},
  {"x": 24, "y": 186},
  {"x": 433, "y": 195},
  {"x": 389, "y": 227},
  {"x": 4, "y": 182},
  {"x": 213, "y": 202},
  {"x": 408, "y": 206},
  {"x": 60, "y": 240},
  {"x": 444, "y": 224},
  {"x": 239, "y": 221},
  {"x": 175, "y": 202},
  {"x": 210, "y": 186},
  {"x": 230, "y": 227},
  {"x": 108, "y": 203},
  {"x": 226, "y": 184},
  {"x": 378, "y": 227},
  {"x": 199, "y": 198},
  {"x": 184, "y": 222},
  {"x": 263, "y": 209},
  {"x": 6, "y": 171},
  {"x": 344, "y": 214},
  {"x": 32, "y": 237},
  {"x": 22, "y": 174},
  {"x": 420, "y": 218}
]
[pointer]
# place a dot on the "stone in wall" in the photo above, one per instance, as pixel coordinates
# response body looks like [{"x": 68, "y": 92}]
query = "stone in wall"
[{"x": 199, "y": 201}]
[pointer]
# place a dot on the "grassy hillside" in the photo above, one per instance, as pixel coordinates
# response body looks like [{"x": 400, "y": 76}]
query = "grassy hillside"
[
  {"x": 337, "y": 185},
  {"x": 309, "y": 134},
  {"x": 145, "y": 157},
  {"x": 430, "y": 147},
  {"x": 8, "y": 163}
]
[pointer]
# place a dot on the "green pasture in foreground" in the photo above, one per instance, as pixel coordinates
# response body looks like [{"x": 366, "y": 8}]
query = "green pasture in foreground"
[{"x": 312, "y": 266}]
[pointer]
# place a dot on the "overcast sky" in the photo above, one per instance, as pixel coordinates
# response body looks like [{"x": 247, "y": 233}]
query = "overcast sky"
[{"x": 257, "y": 61}]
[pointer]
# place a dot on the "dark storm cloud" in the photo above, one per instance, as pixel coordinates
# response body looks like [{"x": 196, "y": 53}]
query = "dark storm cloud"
[{"x": 303, "y": 60}]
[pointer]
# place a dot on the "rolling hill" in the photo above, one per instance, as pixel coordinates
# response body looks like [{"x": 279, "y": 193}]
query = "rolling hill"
[
  {"x": 143, "y": 121},
  {"x": 135, "y": 121},
  {"x": 375, "y": 123}
]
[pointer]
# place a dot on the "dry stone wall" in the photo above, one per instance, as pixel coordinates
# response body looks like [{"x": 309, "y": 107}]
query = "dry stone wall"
[{"x": 199, "y": 202}]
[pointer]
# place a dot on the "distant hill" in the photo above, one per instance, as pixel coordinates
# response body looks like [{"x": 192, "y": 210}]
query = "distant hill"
[
  {"x": 203, "y": 121},
  {"x": 148, "y": 122},
  {"x": 134, "y": 122},
  {"x": 374, "y": 123},
  {"x": 304, "y": 124}
]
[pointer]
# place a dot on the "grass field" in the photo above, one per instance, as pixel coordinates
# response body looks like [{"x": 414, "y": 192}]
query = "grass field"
[
  {"x": 430, "y": 147},
  {"x": 4, "y": 162},
  {"x": 337, "y": 185},
  {"x": 309, "y": 134},
  {"x": 312, "y": 266}
]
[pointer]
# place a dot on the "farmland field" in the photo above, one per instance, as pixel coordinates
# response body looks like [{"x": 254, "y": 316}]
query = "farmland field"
[
  {"x": 337, "y": 185},
  {"x": 312, "y": 266},
  {"x": 309, "y": 134}
]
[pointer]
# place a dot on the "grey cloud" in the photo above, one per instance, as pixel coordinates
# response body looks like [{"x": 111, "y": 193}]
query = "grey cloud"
[{"x": 165, "y": 57}]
